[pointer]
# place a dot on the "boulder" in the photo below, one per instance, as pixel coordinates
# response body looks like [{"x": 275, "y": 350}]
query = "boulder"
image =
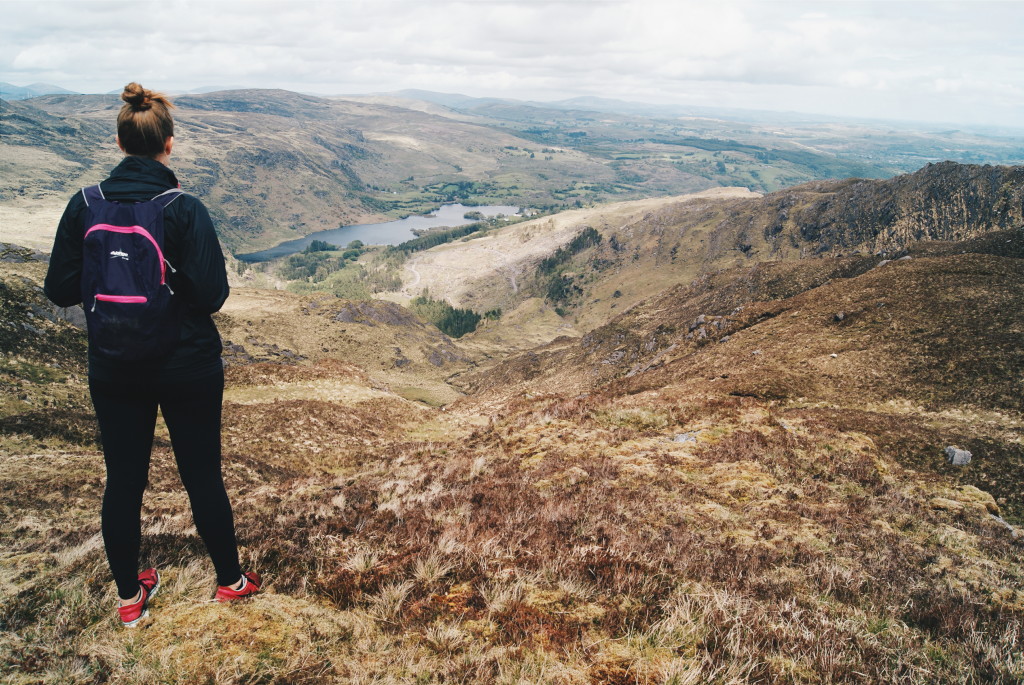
[
  {"x": 957, "y": 456},
  {"x": 74, "y": 315}
]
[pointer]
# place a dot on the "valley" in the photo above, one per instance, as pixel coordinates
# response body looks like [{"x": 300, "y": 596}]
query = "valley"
[{"x": 701, "y": 436}]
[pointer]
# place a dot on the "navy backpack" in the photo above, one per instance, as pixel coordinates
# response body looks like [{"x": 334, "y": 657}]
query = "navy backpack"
[{"x": 130, "y": 308}]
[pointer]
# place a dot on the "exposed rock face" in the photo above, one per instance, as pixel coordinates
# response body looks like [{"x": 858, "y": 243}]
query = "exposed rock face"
[
  {"x": 18, "y": 254},
  {"x": 371, "y": 313},
  {"x": 41, "y": 307},
  {"x": 235, "y": 354},
  {"x": 946, "y": 201}
]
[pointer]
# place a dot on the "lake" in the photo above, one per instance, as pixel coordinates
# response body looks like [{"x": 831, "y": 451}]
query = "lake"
[{"x": 388, "y": 233}]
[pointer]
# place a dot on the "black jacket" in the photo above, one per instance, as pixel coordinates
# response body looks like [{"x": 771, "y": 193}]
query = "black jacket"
[{"x": 190, "y": 245}]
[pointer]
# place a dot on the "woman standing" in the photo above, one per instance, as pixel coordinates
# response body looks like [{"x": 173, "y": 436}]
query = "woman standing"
[{"x": 184, "y": 377}]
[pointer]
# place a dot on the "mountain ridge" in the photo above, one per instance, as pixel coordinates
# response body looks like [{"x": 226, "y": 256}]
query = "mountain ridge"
[
  {"x": 9, "y": 91},
  {"x": 274, "y": 165},
  {"x": 670, "y": 241}
]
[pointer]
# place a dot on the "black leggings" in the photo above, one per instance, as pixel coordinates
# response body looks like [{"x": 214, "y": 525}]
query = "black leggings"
[{"x": 127, "y": 418}]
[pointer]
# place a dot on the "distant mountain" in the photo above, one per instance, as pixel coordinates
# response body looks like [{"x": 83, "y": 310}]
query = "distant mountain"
[
  {"x": 647, "y": 109},
  {"x": 871, "y": 148},
  {"x": 453, "y": 100},
  {"x": 275, "y": 165},
  {"x": 213, "y": 89},
  {"x": 9, "y": 91},
  {"x": 467, "y": 103}
]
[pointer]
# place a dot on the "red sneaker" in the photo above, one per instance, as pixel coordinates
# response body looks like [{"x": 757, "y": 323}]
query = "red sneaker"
[
  {"x": 250, "y": 586},
  {"x": 149, "y": 583}
]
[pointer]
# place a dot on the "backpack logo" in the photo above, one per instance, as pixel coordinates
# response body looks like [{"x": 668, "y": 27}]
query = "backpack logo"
[{"x": 131, "y": 312}]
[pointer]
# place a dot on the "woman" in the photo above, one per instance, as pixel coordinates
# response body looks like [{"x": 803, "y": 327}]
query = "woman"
[{"x": 186, "y": 383}]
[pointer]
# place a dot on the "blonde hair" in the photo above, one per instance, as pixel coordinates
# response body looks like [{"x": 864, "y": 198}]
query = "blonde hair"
[{"x": 144, "y": 123}]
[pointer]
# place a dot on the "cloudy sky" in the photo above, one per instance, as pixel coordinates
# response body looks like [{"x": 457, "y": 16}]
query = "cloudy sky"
[{"x": 959, "y": 62}]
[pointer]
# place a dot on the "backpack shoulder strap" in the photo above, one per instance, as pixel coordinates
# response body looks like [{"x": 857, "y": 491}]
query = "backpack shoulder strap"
[
  {"x": 167, "y": 197},
  {"x": 93, "y": 193}
]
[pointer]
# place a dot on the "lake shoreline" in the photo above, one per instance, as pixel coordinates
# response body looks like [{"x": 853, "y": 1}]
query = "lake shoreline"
[{"x": 385, "y": 233}]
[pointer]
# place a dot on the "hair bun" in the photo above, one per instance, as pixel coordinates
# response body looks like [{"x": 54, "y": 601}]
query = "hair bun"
[
  {"x": 137, "y": 96},
  {"x": 144, "y": 123}
]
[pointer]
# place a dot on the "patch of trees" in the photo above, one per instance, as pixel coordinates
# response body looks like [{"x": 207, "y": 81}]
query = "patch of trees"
[
  {"x": 558, "y": 286},
  {"x": 451, "y": 321},
  {"x": 586, "y": 238},
  {"x": 464, "y": 191},
  {"x": 376, "y": 204},
  {"x": 436, "y": 238},
  {"x": 319, "y": 260},
  {"x": 320, "y": 246},
  {"x": 561, "y": 288},
  {"x": 354, "y": 282},
  {"x": 304, "y": 266}
]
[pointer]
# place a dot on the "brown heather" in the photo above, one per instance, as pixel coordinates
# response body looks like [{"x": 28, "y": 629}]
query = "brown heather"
[{"x": 548, "y": 528}]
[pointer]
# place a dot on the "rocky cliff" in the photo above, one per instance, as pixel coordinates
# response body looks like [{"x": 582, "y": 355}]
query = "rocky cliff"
[{"x": 946, "y": 201}]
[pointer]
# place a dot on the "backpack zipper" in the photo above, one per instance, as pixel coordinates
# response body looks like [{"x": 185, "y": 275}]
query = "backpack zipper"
[
  {"x": 123, "y": 299},
  {"x": 173, "y": 271},
  {"x": 138, "y": 230}
]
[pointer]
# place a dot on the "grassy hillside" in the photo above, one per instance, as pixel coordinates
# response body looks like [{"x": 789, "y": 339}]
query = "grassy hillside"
[
  {"x": 739, "y": 480},
  {"x": 715, "y": 453},
  {"x": 932, "y": 336},
  {"x": 649, "y": 245}
]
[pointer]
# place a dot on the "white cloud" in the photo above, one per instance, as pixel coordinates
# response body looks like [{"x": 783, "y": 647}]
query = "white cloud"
[{"x": 888, "y": 58}]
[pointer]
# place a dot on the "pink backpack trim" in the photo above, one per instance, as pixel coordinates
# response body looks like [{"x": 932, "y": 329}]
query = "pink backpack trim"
[{"x": 140, "y": 231}]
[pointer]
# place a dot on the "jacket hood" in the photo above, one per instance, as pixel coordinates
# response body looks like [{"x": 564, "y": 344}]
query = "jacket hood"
[{"x": 136, "y": 171}]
